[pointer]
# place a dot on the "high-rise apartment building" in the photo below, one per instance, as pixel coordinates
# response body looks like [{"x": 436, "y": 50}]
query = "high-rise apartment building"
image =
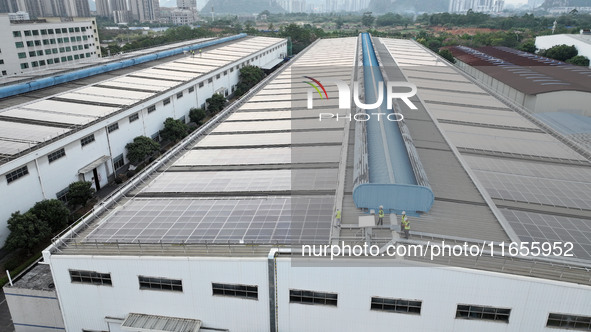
[{"x": 144, "y": 10}]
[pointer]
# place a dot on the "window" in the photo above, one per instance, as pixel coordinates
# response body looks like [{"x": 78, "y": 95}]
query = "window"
[
  {"x": 161, "y": 284},
  {"x": 27, "y": 32},
  {"x": 37, "y": 43},
  {"x": 19, "y": 44},
  {"x": 487, "y": 313},
  {"x": 29, "y": 43},
  {"x": 156, "y": 136},
  {"x": 45, "y": 41},
  {"x": 113, "y": 127},
  {"x": 91, "y": 277},
  {"x": 118, "y": 161},
  {"x": 35, "y": 32},
  {"x": 49, "y": 61},
  {"x": 133, "y": 117},
  {"x": 209, "y": 80},
  {"x": 56, "y": 155},
  {"x": 310, "y": 297},
  {"x": 71, "y": 29},
  {"x": 24, "y": 65},
  {"x": 179, "y": 95},
  {"x": 22, "y": 55},
  {"x": 200, "y": 84},
  {"x": 151, "y": 108},
  {"x": 225, "y": 72},
  {"x": 17, "y": 174},
  {"x": 217, "y": 76},
  {"x": 62, "y": 49},
  {"x": 87, "y": 140},
  {"x": 396, "y": 305},
  {"x": 62, "y": 195},
  {"x": 50, "y": 31},
  {"x": 77, "y": 29},
  {"x": 244, "y": 291},
  {"x": 16, "y": 34},
  {"x": 580, "y": 323},
  {"x": 191, "y": 89},
  {"x": 39, "y": 53},
  {"x": 34, "y": 64}
]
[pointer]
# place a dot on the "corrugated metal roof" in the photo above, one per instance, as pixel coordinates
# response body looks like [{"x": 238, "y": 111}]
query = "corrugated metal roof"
[
  {"x": 525, "y": 72},
  {"x": 141, "y": 322}
]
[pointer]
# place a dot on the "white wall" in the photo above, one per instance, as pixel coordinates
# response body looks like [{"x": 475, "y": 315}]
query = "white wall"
[
  {"x": 86, "y": 306},
  {"x": 439, "y": 289},
  {"x": 34, "y": 310}
]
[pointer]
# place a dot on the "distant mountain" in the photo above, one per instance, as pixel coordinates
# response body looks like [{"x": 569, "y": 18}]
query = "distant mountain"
[
  {"x": 242, "y": 6},
  {"x": 399, "y": 6},
  {"x": 566, "y": 3}
]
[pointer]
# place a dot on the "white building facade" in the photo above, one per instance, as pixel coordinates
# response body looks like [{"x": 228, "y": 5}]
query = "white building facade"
[
  {"x": 581, "y": 41},
  {"x": 47, "y": 43}
]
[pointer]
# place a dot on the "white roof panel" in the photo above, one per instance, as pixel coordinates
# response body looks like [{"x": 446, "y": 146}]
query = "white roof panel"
[
  {"x": 72, "y": 108},
  {"x": 23, "y": 113}
]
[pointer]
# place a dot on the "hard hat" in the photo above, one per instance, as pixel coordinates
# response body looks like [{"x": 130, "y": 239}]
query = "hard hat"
[
  {"x": 403, "y": 212},
  {"x": 381, "y": 206}
]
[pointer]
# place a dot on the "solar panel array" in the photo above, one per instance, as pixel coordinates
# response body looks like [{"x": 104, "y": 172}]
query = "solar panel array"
[
  {"x": 251, "y": 180},
  {"x": 80, "y": 106},
  {"x": 524, "y": 169}
]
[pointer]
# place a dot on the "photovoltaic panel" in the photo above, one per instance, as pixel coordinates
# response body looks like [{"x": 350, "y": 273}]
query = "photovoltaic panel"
[
  {"x": 537, "y": 190},
  {"x": 540, "y": 227},
  {"x": 264, "y": 156},
  {"x": 244, "y": 181},
  {"x": 270, "y": 139},
  {"x": 285, "y": 220}
]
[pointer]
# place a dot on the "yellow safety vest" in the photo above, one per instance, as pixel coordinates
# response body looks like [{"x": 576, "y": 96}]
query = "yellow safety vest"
[
  {"x": 339, "y": 214},
  {"x": 405, "y": 222},
  {"x": 381, "y": 213}
]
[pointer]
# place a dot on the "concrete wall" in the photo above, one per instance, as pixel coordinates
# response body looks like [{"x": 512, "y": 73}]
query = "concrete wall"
[
  {"x": 85, "y": 306},
  {"x": 34, "y": 310},
  {"x": 55, "y": 176}
]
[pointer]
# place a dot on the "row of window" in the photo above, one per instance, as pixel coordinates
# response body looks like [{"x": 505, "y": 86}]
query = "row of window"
[
  {"x": 463, "y": 311},
  {"x": 44, "y": 32},
  {"x": 31, "y": 43},
  {"x": 49, "y": 51},
  {"x": 41, "y": 63}
]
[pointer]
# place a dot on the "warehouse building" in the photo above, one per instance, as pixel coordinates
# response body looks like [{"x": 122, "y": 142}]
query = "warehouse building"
[
  {"x": 78, "y": 130},
  {"x": 581, "y": 41},
  {"x": 212, "y": 236},
  {"x": 554, "y": 92}
]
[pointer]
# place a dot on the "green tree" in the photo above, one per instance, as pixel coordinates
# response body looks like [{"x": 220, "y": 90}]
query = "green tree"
[
  {"x": 26, "y": 231},
  {"x": 141, "y": 148},
  {"x": 579, "y": 60},
  {"x": 52, "y": 211},
  {"x": 367, "y": 19},
  {"x": 174, "y": 130},
  {"x": 249, "y": 77},
  {"x": 216, "y": 103},
  {"x": 339, "y": 23},
  {"x": 561, "y": 52},
  {"x": 197, "y": 115},
  {"x": 529, "y": 46},
  {"x": 80, "y": 192},
  {"x": 447, "y": 55}
]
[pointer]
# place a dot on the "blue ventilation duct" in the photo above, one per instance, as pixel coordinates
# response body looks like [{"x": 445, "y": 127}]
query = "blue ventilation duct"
[
  {"x": 387, "y": 170},
  {"x": 11, "y": 90}
]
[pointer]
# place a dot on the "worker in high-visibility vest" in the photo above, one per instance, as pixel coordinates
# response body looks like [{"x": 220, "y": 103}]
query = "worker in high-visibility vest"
[
  {"x": 200, "y": 53},
  {"x": 406, "y": 224},
  {"x": 381, "y": 215},
  {"x": 338, "y": 218}
]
